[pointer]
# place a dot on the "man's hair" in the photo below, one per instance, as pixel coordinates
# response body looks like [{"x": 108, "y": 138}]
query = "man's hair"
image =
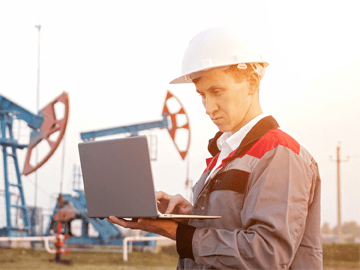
[{"x": 238, "y": 74}]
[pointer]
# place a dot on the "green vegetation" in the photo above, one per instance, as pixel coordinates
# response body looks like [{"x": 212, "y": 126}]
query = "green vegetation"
[
  {"x": 19, "y": 258},
  {"x": 341, "y": 252},
  {"x": 341, "y": 256},
  {"x": 345, "y": 256},
  {"x": 337, "y": 265}
]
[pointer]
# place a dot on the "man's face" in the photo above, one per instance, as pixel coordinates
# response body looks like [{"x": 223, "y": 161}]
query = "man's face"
[{"x": 225, "y": 99}]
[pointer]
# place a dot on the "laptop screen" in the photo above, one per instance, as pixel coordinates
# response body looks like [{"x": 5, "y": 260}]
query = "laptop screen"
[{"x": 118, "y": 178}]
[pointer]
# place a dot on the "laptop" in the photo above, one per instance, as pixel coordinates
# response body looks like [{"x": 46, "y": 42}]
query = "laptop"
[{"x": 118, "y": 180}]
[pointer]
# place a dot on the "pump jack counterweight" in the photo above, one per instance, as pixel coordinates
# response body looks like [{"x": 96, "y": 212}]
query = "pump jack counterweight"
[{"x": 43, "y": 125}]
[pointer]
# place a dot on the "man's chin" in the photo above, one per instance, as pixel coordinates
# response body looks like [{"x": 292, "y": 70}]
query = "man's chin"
[
  {"x": 220, "y": 125},
  {"x": 222, "y": 129}
]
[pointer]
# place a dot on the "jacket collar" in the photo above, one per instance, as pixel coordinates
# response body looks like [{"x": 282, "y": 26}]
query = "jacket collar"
[{"x": 260, "y": 129}]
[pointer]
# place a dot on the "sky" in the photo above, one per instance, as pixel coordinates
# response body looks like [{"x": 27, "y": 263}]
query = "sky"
[{"x": 115, "y": 60}]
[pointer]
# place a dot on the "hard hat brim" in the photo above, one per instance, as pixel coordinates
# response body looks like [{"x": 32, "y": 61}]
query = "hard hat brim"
[
  {"x": 180, "y": 80},
  {"x": 187, "y": 78}
]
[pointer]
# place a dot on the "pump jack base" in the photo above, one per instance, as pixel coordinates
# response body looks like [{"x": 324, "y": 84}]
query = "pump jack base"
[{"x": 64, "y": 262}]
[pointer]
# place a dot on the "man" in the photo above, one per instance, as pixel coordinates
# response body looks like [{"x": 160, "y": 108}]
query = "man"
[{"x": 262, "y": 182}]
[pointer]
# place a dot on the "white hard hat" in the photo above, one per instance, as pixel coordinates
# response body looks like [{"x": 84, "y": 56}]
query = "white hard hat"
[{"x": 218, "y": 47}]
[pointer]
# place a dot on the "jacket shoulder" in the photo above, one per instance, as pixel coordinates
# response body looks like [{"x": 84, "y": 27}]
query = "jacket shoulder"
[{"x": 271, "y": 140}]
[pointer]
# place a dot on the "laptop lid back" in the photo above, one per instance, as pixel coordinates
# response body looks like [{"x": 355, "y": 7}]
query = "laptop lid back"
[{"x": 118, "y": 178}]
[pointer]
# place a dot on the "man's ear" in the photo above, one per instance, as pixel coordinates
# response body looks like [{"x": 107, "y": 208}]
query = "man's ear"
[{"x": 254, "y": 83}]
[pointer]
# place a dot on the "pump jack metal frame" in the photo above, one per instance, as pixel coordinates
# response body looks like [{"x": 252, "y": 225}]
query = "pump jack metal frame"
[{"x": 43, "y": 125}]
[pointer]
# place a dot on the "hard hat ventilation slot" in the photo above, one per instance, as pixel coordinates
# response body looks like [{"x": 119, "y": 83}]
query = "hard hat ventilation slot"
[{"x": 242, "y": 66}]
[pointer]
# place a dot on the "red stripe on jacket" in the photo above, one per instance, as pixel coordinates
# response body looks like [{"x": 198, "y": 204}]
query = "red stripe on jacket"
[
  {"x": 211, "y": 162},
  {"x": 269, "y": 141}
]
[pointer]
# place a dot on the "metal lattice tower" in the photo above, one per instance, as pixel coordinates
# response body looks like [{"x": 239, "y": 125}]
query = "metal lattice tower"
[{"x": 7, "y": 141}]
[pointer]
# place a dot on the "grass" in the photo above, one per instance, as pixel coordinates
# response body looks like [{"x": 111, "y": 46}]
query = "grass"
[
  {"x": 337, "y": 265},
  {"x": 341, "y": 256},
  {"x": 19, "y": 258}
]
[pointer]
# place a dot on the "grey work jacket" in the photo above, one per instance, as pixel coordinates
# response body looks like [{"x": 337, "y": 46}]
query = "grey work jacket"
[{"x": 268, "y": 194}]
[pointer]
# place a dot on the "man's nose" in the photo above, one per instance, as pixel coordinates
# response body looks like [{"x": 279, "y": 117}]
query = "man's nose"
[{"x": 210, "y": 105}]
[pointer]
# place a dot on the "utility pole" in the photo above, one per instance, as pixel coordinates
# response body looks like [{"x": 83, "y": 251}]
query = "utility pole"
[
  {"x": 37, "y": 109},
  {"x": 338, "y": 161}
]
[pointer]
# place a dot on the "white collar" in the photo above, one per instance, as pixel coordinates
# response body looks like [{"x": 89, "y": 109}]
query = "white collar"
[{"x": 235, "y": 139}]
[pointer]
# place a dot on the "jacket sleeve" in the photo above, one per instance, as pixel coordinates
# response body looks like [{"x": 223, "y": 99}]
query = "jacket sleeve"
[{"x": 280, "y": 190}]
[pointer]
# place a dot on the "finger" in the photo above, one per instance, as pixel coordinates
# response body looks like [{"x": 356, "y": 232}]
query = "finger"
[
  {"x": 174, "y": 201},
  {"x": 161, "y": 195},
  {"x": 124, "y": 223},
  {"x": 116, "y": 220},
  {"x": 113, "y": 219},
  {"x": 162, "y": 207},
  {"x": 186, "y": 209}
]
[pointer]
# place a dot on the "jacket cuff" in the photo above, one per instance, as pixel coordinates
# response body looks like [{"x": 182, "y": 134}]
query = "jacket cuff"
[{"x": 184, "y": 236}]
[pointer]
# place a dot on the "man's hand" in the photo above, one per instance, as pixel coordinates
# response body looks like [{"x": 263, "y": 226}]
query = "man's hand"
[
  {"x": 163, "y": 227},
  {"x": 168, "y": 204}
]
